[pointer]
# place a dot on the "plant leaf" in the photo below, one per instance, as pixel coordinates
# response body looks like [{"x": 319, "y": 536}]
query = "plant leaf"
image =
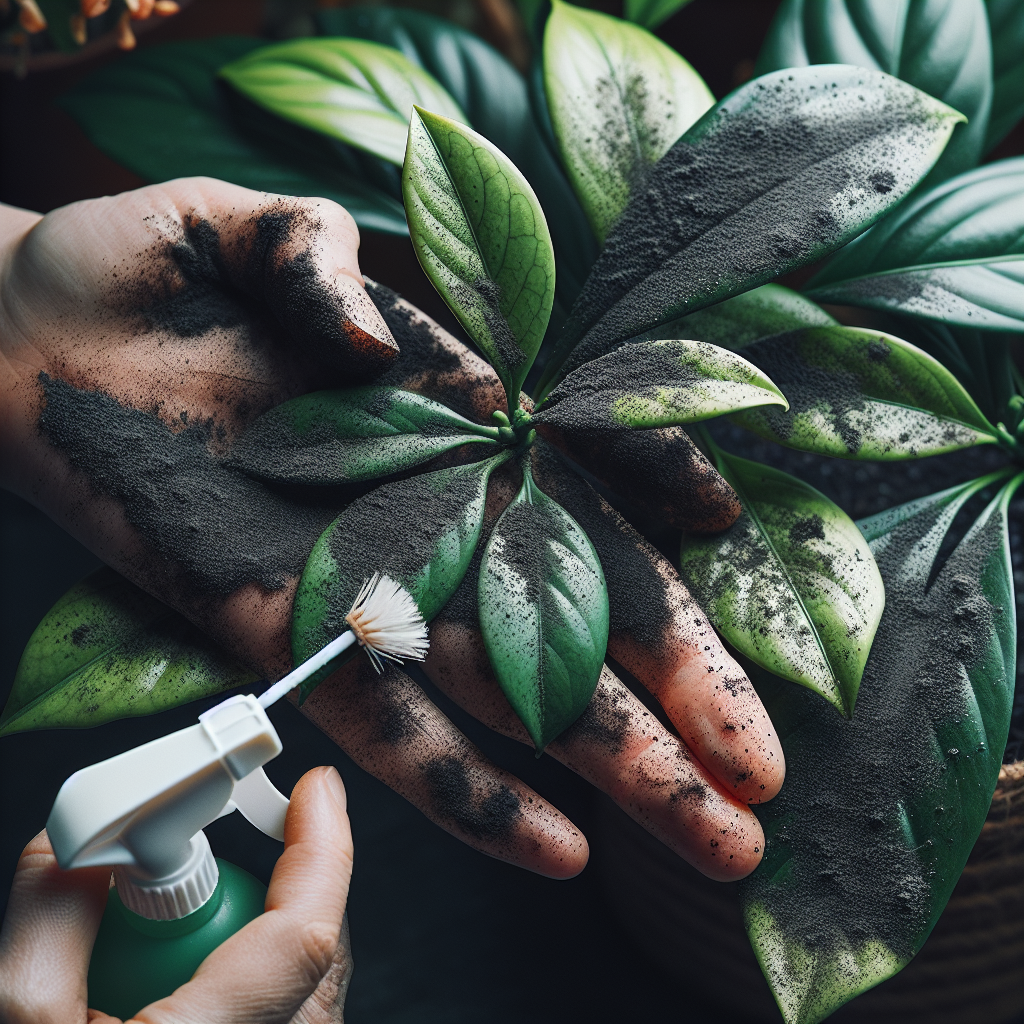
[
  {"x": 861, "y": 394},
  {"x": 955, "y": 253},
  {"x": 1006, "y": 22},
  {"x": 651, "y": 13},
  {"x": 356, "y": 91},
  {"x": 140, "y": 108},
  {"x": 335, "y": 437},
  {"x": 657, "y": 384},
  {"x": 618, "y": 98},
  {"x": 421, "y": 532},
  {"x": 543, "y": 612},
  {"x": 481, "y": 237},
  {"x": 749, "y": 316},
  {"x": 792, "y": 584},
  {"x": 107, "y": 650},
  {"x": 783, "y": 171},
  {"x": 879, "y": 813},
  {"x": 941, "y": 47}
]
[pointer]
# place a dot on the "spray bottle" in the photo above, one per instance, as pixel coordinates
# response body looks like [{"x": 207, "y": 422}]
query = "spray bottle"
[{"x": 143, "y": 812}]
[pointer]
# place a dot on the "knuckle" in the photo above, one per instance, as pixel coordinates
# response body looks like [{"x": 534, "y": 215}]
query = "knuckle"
[{"x": 318, "y": 941}]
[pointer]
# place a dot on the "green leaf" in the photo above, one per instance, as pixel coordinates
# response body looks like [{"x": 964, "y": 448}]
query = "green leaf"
[
  {"x": 107, "y": 650},
  {"x": 792, "y": 584},
  {"x": 861, "y": 394},
  {"x": 480, "y": 236},
  {"x": 942, "y": 47},
  {"x": 335, "y": 437},
  {"x": 736, "y": 322},
  {"x": 543, "y": 612},
  {"x": 657, "y": 384},
  {"x": 651, "y": 13},
  {"x": 158, "y": 112},
  {"x": 421, "y": 532},
  {"x": 618, "y": 98},
  {"x": 358, "y": 92},
  {"x": 955, "y": 254},
  {"x": 1006, "y": 21},
  {"x": 879, "y": 813},
  {"x": 787, "y": 168}
]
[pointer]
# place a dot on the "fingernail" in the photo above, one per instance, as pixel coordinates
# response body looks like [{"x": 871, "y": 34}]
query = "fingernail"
[
  {"x": 362, "y": 313},
  {"x": 334, "y": 785}
]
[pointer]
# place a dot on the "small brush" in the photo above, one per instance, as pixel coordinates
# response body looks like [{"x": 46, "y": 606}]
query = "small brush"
[{"x": 384, "y": 620}]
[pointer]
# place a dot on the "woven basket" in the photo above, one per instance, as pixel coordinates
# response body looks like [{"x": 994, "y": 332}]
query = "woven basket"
[{"x": 970, "y": 970}]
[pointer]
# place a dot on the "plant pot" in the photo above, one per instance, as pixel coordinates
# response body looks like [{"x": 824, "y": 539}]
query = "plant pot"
[{"x": 968, "y": 971}]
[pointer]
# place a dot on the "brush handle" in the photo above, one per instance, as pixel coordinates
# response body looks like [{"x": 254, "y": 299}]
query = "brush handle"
[{"x": 309, "y": 667}]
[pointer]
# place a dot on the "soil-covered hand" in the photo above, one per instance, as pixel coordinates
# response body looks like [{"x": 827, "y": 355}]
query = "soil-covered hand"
[
  {"x": 142, "y": 334},
  {"x": 290, "y": 964}
]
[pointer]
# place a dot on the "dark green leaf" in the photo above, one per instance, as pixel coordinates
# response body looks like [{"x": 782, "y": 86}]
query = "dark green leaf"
[
  {"x": 480, "y": 235},
  {"x": 955, "y": 253},
  {"x": 618, "y": 98},
  {"x": 651, "y": 13},
  {"x": 657, "y": 384},
  {"x": 334, "y": 437},
  {"x": 736, "y": 322},
  {"x": 158, "y": 111},
  {"x": 861, "y": 394},
  {"x": 879, "y": 813},
  {"x": 942, "y": 47},
  {"x": 781, "y": 172},
  {"x": 1006, "y": 20},
  {"x": 792, "y": 585},
  {"x": 359, "y": 92},
  {"x": 107, "y": 650},
  {"x": 543, "y": 612},
  {"x": 421, "y": 532}
]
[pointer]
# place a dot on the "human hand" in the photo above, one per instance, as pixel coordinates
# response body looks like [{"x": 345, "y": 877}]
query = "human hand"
[
  {"x": 143, "y": 334},
  {"x": 290, "y": 964}
]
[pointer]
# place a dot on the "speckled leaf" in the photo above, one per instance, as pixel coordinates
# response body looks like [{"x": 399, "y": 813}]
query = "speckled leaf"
[
  {"x": 618, "y": 98},
  {"x": 792, "y": 584},
  {"x": 421, "y": 532},
  {"x": 879, "y": 813},
  {"x": 480, "y": 235},
  {"x": 651, "y": 13},
  {"x": 941, "y": 46},
  {"x": 736, "y": 322},
  {"x": 657, "y": 384},
  {"x": 160, "y": 112},
  {"x": 334, "y": 437},
  {"x": 353, "y": 90},
  {"x": 1006, "y": 20},
  {"x": 787, "y": 168},
  {"x": 107, "y": 650},
  {"x": 955, "y": 253},
  {"x": 861, "y": 394},
  {"x": 543, "y": 612}
]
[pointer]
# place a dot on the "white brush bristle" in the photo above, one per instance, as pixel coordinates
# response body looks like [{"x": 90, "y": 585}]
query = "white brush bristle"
[{"x": 387, "y": 622}]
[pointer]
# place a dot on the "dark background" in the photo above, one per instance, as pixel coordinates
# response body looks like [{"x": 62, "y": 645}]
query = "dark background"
[{"x": 440, "y": 932}]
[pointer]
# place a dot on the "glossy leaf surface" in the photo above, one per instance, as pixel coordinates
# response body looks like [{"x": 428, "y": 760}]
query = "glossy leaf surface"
[
  {"x": 107, "y": 650},
  {"x": 421, "y": 532},
  {"x": 736, "y": 322},
  {"x": 1006, "y": 21},
  {"x": 651, "y": 13},
  {"x": 879, "y": 813},
  {"x": 139, "y": 109},
  {"x": 955, "y": 253},
  {"x": 618, "y": 98},
  {"x": 657, "y": 384},
  {"x": 334, "y": 437},
  {"x": 942, "y": 47},
  {"x": 543, "y": 612},
  {"x": 788, "y": 168},
  {"x": 860, "y": 394},
  {"x": 359, "y": 92},
  {"x": 792, "y": 584},
  {"x": 481, "y": 237}
]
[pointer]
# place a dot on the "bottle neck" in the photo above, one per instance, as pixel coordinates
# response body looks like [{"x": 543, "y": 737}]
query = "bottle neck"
[{"x": 179, "y": 926}]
